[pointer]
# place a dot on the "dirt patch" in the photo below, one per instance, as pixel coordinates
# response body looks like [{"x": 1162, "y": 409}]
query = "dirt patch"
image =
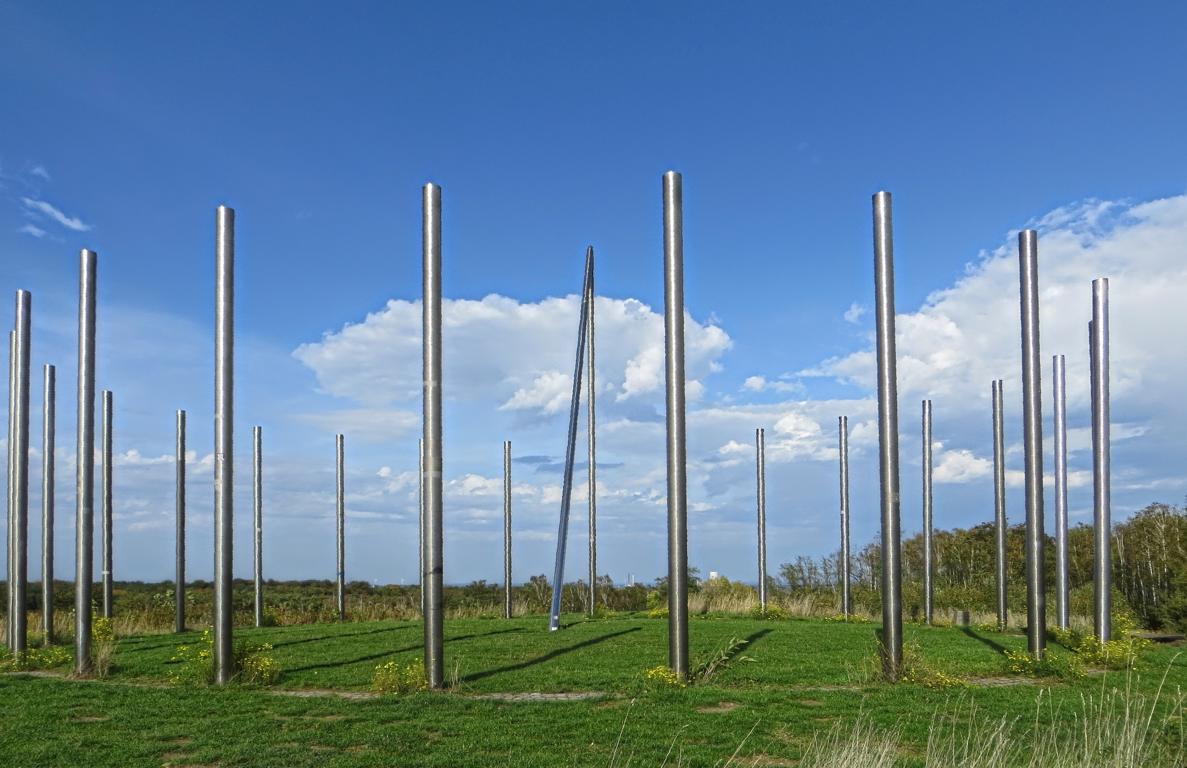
[
  {"x": 322, "y": 748},
  {"x": 534, "y": 696},
  {"x": 719, "y": 707},
  {"x": 810, "y": 702},
  {"x": 765, "y": 759},
  {"x": 91, "y": 719},
  {"x": 1001, "y": 682},
  {"x": 172, "y": 757},
  {"x": 313, "y": 693},
  {"x": 180, "y": 741}
]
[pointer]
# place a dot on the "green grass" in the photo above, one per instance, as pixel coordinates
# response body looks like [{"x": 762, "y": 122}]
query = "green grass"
[{"x": 806, "y": 676}]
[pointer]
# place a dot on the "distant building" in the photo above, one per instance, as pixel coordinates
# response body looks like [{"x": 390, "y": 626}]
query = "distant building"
[{"x": 714, "y": 575}]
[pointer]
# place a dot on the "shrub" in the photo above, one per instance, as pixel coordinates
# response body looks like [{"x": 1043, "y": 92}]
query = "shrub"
[
  {"x": 1050, "y": 665},
  {"x": 916, "y": 670},
  {"x": 253, "y": 663},
  {"x": 659, "y": 678},
  {"x": 35, "y": 658},
  {"x": 393, "y": 677},
  {"x": 772, "y": 613}
]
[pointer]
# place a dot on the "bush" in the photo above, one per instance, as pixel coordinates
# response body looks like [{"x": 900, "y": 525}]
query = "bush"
[
  {"x": 252, "y": 662},
  {"x": 35, "y": 658},
  {"x": 661, "y": 678},
  {"x": 1050, "y": 665},
  {"x": 395, "y": 678}
]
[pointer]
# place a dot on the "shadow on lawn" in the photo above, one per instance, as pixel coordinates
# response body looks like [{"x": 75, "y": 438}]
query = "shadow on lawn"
[
  {"x": 319, "y": 638},
  {"x": 995, "y": 645},
  {"x": 392, "y": 651},
  {"x": 475, "y": 676}
]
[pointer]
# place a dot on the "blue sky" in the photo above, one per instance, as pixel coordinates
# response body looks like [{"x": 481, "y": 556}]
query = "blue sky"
[{"x": 548, "y": 126}]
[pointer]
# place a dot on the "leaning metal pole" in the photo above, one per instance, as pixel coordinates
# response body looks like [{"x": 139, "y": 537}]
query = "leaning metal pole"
[
  {"x": 1032, "y": 422},
  {"x": 84, "y": 505},
  {"x": 677, "y": 464},
  {"x": 431, "y": 537},
  {"x": 591, "y": 434},
  {"x": 48, "y": 429},
  {"x": 179, "y": 537},
  {"x": 843, "y": 450},
  {"x": 928, "y": 542},
  {"x": 760, "y": 462},
  {"x": 562, "y": 534},
  {"x": 340, "y": 494},
  {"x": 1102, "y": 600},
  {"x": 506, "y": 529},
  {"x": 224, "y": 441},
  {"x": 257, "y": 505},
  {"x": 107, "y": 511},
  {"x": 888, "y": 466},
  {"x": 1059, "y": 381},
  {"x": 1000, "y": 525},
  {"x": 18, "y": 641}
]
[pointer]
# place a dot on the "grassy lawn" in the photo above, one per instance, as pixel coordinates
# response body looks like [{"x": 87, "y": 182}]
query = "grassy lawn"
[{"x": 805, "y": 676}]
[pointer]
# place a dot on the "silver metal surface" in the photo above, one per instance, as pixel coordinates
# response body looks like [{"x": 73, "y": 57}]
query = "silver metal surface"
[
  {"x": 1102, "y": 581},
  {"x": 506, "y": 529},
  {"x": 928, "y": 543},
  {"x": 591, "y": 434},
  {"x": 420, "y": 536},
  {"x": 562, "y": 534},
  {"x": 257, "y": 506},
  {"x": 49, "y": 416},
  {"x": 10, "y": 529},
  {"x": 1000, "y": 524},
  {"x": 888, "y": 439},
  {"x": 431, "y": 538},
  {"x": 1062, "y": 587},
  {"x": 84, "y": 524},
  {"x": 677, "y": 463},
  {"x": 107, "y": 509},
  {"x": 1032, "y": 423},
  {"x": 179, "y": 536},
  {"x": 340, "y": 494},
  {"x": 18, "y": 640},
  {"x": 846, "y": 578},
  {"x": 224, "y": 441},
  {"x": 760, "y": 461}
]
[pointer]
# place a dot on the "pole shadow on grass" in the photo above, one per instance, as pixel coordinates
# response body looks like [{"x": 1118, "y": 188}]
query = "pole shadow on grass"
[
  {"x": 319, "y": 638},
  {"x": 995, "y": 645},
  {"x": 476, "y": 676},
  {"x": 387, "y": 652}
]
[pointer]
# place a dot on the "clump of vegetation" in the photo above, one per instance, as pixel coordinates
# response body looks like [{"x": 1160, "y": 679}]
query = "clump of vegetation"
[
  {"x": 662, "y": 677},
  {"x": 1049, "y": 665},
  {"x": 34, "y": 658},
  {"x": 253, "y": 663},
  {"x": 392, "y": 677},
  {"x": 723, "y": 658},
  {"x": 772, "y": 613},
  {"x": 103, "y": 646},
  {"x": 916, "y": 670},
  {"x": 853, "y": 618}
]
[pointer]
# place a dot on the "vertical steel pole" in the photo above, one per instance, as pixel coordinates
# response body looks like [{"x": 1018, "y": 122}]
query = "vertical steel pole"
[
  {"x": 888, "y": 465},
  {"x": 257, "y": 499},
  {"x": 340, "y": 493},
  {"x": 1032, "y": 419},
  {"x": 1101, "y": 481},
  {"x": 999, "y": 502},
  {"x": 420, "y": 537},
  {"x": 179, "y": 537},
  {"x": 107, "y": 511},
  {"x": 928, "y": 542},
  {"x": 760, "y": 460},
  {"x": 562, "y": 533},
  {"x": 1062, "y": 589},
  {"x": 591, "y": 433},
  {"x": 224, "y": 441},
  {"x": 10, "y": 580},
  {"x": 84, "y": 525},
  {"x": 506, "y": 529},
  {"x": 49, "y": 417},
  {"x": 18, "y": 641},
  {"x": 677, "y": 464},
  {"x": 431, "y": 540},
  {"x": 843, "y": 450}
]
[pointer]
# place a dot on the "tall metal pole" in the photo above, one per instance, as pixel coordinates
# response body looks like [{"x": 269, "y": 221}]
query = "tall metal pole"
[
  {"x": 49, "y": 399},
  {"x": 341, "y": 517},
  {"x": 420, "y": 536},
  {"x": 1032, "y": 422},
  {"x": 431, "y": 539},
  {"x": 562, "y": 533},
  {"x": 1001, "y": 526},
  {"x": 107, "y": 511},
  {"x": 11, "y": 536},
  {"x": 18, "y": 641},
  {"x": 1062, "y": 587},
  {"x": 84, "y": 524},
  {"x": 1102, "y": 601},
  {"x": 760, "y": 460},
  {"x": 928, "y": 543},
  {"x": 843, "y": 450},
  {"x": 257, "y": 499},
  {"x": 591, "y": 434},
  {"x": 888, "y": 466},
  {"x": 179, "y": 537},
  {"x": 506, "y": 529},
  {"x": 677, "y": 463},
  {"x": 224, "y": 441}
]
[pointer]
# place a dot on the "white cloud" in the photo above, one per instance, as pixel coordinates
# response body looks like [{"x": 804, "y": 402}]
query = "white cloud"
[
  {"x": 961, "y": 466},
  {"x": 855, "y": 313},
  {"x": 47, "y": 209},
  {"x": 755, "y": 383},
  {"x": 32, "y": 230},
  {"x": 370, "y": 424},
  {"x": 39, "y": 171}
]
